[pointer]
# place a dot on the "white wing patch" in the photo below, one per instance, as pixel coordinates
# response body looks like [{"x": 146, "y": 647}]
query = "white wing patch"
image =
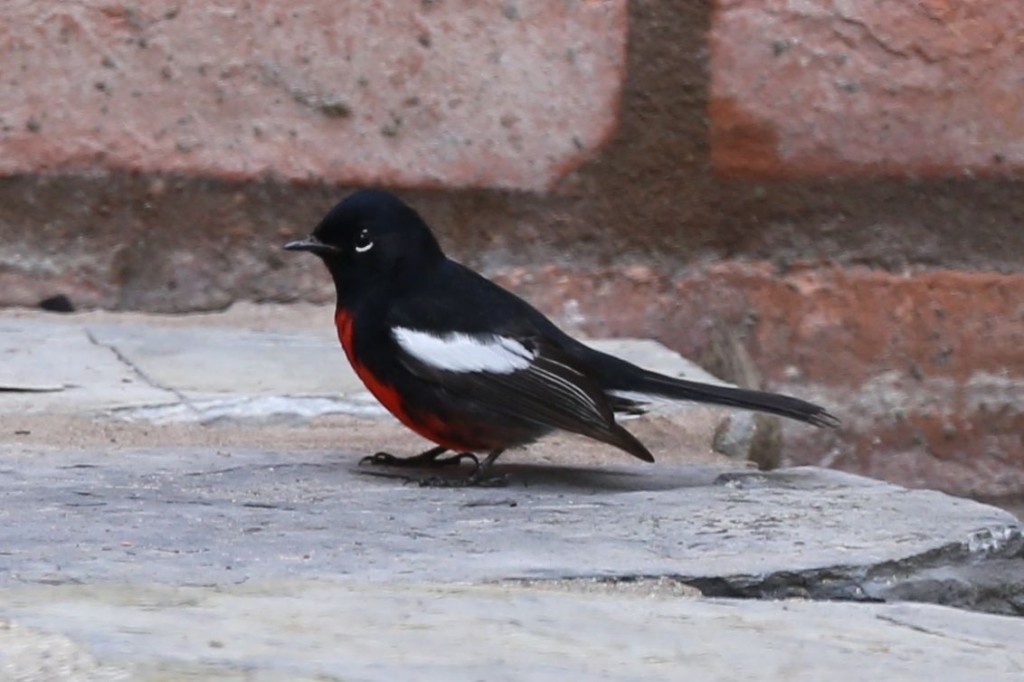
[{"x": 458, "y": 352}]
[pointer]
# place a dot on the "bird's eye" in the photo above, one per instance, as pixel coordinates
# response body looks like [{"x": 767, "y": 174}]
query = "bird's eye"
[{"x": 363, "y": 243}]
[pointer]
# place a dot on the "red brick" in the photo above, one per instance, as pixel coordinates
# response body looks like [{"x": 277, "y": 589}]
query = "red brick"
[
  {"x": 446, "y": 93},
  {"x": 887, "y": 87}
]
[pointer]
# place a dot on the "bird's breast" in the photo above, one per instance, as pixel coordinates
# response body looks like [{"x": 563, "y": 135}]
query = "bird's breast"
[
  {"x": 382, "y": 390},
  {"x": 343, "y": 323}
]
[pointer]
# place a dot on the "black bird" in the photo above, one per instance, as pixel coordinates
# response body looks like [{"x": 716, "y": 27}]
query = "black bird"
[{"x": 471, "y": 366}]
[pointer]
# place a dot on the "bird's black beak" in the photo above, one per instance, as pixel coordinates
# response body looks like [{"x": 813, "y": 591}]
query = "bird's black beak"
[{"x": 311, "y": 244}]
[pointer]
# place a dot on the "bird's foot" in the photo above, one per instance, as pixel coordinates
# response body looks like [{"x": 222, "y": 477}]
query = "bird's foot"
[
  {"x": 431, "y": 459},
  {"x": 480, "y": 478}
]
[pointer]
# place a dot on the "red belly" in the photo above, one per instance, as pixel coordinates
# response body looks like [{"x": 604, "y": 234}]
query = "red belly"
[{"x": 428, "y": 426}]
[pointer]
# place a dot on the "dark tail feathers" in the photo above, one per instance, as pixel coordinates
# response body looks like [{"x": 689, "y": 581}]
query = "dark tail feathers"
[{"x": 762, "y": 401}]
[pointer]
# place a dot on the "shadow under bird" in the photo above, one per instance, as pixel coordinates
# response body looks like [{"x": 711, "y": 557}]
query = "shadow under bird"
[{"x": 471, "y": 366}]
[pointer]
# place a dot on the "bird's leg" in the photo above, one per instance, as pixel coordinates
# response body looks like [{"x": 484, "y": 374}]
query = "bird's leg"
[
  {"x": 431, "y": 459},
  {"x": 479, "y": 476}
]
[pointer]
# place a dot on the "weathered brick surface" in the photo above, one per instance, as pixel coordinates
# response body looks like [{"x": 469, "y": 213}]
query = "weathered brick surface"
[
  {"x": 451, "y": 93},
  {"x": 867, "y": 88}
]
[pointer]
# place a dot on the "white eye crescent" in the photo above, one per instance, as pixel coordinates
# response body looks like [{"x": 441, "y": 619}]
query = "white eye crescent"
[{"x": 363, "y": 243}]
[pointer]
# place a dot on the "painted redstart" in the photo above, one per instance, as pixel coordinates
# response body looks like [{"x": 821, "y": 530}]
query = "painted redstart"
[{"x": 470, "y": 366}]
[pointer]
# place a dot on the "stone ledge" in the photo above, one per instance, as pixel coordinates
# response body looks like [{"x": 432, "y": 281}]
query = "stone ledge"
[
  {"x": 138, "y": 563},
  {"x": 198, "y": 516},
  {"x": 247, "y": 545}
]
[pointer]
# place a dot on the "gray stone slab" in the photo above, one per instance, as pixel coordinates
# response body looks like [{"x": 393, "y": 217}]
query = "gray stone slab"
[
  {"x": 285, "y": 564},
  {"x": 190, "y": 516},
  {"x": 312, "y": 630},
  {"x": 57, "y": 367},
  {"x": 201, "y": 360}
]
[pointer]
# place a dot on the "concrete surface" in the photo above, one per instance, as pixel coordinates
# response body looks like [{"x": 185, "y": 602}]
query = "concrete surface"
[{"x": 145, "y": 535}]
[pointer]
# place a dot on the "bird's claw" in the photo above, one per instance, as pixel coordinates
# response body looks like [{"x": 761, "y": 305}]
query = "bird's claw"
[
  {"x": 381, "y": 459},
  {"x": 427, "y": 460},
  {"x": 431, "y": 459}
]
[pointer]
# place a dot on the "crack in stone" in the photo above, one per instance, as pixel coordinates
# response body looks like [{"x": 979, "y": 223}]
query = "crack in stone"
[
  {"x": 895, "y": 620},
  {"x": 138, "y": 371}
]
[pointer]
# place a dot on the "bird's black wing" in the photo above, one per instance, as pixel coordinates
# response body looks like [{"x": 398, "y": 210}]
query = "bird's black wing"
[{"x": 542, "y": 384}]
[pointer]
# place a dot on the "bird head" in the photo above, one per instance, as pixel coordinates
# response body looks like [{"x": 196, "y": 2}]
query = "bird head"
[{"x": 369, "y": 238}]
